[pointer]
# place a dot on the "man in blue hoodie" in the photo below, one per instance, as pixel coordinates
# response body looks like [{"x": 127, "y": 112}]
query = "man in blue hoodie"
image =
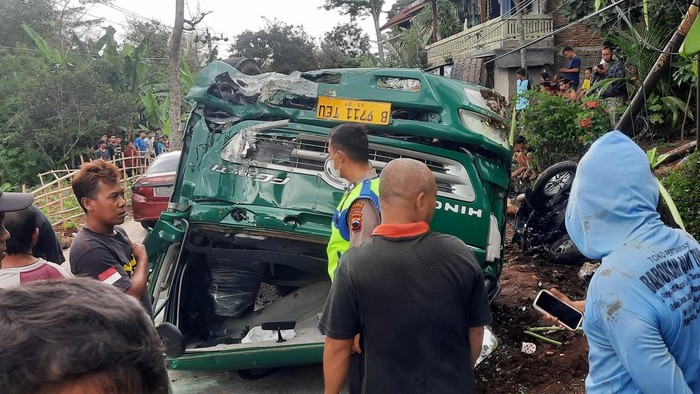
[{"x": 643, "y": 303}]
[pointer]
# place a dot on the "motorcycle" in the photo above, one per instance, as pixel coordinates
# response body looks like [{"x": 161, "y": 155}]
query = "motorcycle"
[{"x": 539, "y": 222}]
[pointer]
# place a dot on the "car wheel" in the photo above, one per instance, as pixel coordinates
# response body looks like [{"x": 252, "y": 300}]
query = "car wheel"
[{"x": 554, "y": 179}]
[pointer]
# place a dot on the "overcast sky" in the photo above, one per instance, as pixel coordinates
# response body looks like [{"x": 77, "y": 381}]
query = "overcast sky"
[{"x": 231, "y": 17}]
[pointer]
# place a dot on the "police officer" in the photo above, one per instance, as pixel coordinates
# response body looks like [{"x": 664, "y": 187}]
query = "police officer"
[{"x": 357, "y": 213}]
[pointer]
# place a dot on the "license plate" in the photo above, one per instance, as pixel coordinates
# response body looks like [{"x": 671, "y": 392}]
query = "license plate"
[
  {"x": 163, "y": 191},
  {"x": 346, "y": 110}
]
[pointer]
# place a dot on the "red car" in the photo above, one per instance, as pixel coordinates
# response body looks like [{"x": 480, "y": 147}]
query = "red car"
[{"x": 151, "y": 191}]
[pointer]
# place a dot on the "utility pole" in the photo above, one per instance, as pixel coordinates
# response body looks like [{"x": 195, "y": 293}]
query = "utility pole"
[
  {"x": 174, "y": 55},
  {"x": 519, "y": 9}
]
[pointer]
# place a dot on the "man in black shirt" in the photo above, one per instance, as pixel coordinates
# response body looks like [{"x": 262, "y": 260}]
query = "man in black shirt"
[
  {"x": 102, "y": 250},
  {"x": 418, "y": 295}
]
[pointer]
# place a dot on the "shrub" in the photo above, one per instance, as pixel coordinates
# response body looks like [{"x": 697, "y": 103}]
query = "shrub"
[
  {"x": 558, "y": 129},
  {"x": 684, "y": 187}
]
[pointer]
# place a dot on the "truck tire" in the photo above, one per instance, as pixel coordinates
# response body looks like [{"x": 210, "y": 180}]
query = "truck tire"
[
  {"x": 469, "y": 69},
  {"x": 245, "y": 65}
]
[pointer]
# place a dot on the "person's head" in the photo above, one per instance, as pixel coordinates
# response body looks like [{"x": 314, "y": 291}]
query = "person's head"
[
  {"x": 521, "y": 73},
  {"x": 607, "y": 54},
  {"x": 548, "y": 87},
  {"x": 77, "y": 336},
  {"x": 24, "y": 233},
  {"x": 348, "y": 149},
  {"x": 143, "y": 134},
  {"x": 112, "y": 139},
  {"x": 520, "y": 143},
  {"x": 130, "y": 144},
  {"x": 103, "y": 144},
  {"x": 565, "y": 84},
  {"x": 104, "y": 137},
  {"x": 98, "y": 191},
  {"x": 568, "y": 52},
  {"x": 407, "y": 192},
  {"x": 119, "y": 140},
  {"x": 587, "y": 73},
  {"x": 544, "y": 77},
  {"x": 613, "y": 196},
  {"x": 150, "y": 134},
  {"x": 10, "y": 202}
]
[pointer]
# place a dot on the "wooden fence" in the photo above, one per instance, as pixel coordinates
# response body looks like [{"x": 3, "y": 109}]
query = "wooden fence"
[{"x": 55, "y": 196}]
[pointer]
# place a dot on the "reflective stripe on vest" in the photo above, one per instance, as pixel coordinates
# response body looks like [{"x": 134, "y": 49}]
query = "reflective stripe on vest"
[{"x": 340, "y": 229}]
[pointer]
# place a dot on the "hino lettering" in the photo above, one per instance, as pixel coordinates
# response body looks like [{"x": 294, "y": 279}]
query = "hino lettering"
[
  {"x": 263, "y": 178},
  {"x": 456, "y": 208}
]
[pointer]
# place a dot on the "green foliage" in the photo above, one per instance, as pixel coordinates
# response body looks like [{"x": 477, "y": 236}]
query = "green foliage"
[
  {"x": 448, "y": 21},
  {"x": 279, "y": 47},
  {"x": 343, "y": 46},
  {"x": 51, "y": 53},
  {"x": 684, "y": 187},
  {"x": 666, "y": 13},
  {"x": 410, "y": 44},
  {"x": 355, "y": 8},
  {"x": 558, "y": 129}
]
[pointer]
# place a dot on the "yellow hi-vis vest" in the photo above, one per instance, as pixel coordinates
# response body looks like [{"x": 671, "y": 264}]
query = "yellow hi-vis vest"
[{"x": 340, "y": 230}]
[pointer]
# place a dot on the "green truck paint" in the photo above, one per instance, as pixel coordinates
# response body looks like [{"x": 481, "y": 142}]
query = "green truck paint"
[{"x": 252, "y": 188}]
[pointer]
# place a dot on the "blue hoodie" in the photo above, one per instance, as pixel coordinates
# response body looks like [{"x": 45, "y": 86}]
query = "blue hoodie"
[{"x": 643, "y": 303}]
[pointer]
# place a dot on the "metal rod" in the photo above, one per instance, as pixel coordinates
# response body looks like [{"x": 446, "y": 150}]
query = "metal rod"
[{"x": 659, "y": 69}]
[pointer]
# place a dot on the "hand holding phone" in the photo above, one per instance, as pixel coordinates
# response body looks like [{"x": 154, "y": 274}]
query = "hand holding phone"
[{"x": 567, "y": 315}]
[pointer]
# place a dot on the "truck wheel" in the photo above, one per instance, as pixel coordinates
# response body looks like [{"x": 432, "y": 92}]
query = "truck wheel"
[
  {"x": 469, "y": 69},
  {"x": 245, "y": 65}
]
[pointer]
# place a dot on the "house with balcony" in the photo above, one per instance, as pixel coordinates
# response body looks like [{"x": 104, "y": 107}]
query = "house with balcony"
[{"x": 483, "y": 52}]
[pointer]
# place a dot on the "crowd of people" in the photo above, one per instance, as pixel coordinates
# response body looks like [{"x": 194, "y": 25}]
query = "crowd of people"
[
  {"x": 624, "y": 80},
  {"x": 147, "y": 145},
  {"x": 407, "y": 307}
]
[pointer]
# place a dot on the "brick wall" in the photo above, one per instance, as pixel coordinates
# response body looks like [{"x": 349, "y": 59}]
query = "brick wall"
[{"x": 586, "y": 42}]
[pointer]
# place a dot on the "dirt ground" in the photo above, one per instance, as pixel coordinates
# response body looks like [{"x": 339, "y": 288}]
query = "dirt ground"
[{"x": 551, "y": 369}]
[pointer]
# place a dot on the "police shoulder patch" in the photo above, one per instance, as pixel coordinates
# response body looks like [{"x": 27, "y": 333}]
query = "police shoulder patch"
[{"x": 356, "y": 216}]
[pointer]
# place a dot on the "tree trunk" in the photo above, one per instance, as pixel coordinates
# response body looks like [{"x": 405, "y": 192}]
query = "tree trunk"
[
  {"x": 174, "y": 53},
  {"x": 375, "y": 17},
  {"x": 433, "y": 4}
]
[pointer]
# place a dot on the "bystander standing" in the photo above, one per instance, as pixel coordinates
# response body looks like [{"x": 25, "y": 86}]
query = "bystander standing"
[
  {"x": 20, "y": 265},
  {"x": 430, "y": 282},
  {"x": 102, "y": 249}
]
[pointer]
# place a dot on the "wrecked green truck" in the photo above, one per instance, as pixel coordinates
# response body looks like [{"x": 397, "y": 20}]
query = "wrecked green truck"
[{"x": 242, "y": 246}]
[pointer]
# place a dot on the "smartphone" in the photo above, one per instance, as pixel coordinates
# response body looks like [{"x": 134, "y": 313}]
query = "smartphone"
[{"x": 569, "y": 317}]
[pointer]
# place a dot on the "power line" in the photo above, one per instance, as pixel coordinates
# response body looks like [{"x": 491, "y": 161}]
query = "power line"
[
  {"x": 559, "y": 30},
  {"x": 135, "y": 15},
  {"x": 72, "y": 53}
]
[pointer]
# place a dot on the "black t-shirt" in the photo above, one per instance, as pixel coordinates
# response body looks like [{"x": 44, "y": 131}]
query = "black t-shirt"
[
  {"x": 417, "y": 297},
  {"x": 107, "y": 258}
]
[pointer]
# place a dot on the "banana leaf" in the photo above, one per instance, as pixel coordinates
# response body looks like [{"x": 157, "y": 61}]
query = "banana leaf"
[{"x": 51, "y": 53}]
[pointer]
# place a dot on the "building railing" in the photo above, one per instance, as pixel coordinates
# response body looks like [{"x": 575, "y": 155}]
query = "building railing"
[{"x": 499, "y": 33}]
